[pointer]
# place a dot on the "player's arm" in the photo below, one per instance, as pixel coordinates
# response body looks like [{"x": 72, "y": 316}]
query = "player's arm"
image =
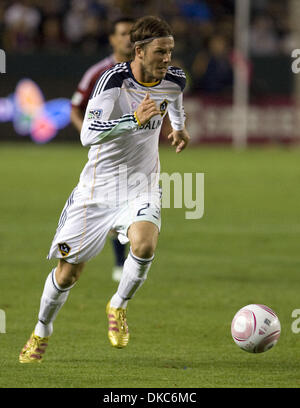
[
  {"x": 101, "y": 129},
  {"x": 80, "y": 98},
  {"x": 78, "y": 104},
  {"x": 179, "y": 136},
  {"x": 97, "y": 126},
  {"x": 77, "y": 117}
]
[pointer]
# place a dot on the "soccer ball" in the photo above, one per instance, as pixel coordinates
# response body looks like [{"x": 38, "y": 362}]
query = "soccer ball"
[{"x": 255, "y": 328}]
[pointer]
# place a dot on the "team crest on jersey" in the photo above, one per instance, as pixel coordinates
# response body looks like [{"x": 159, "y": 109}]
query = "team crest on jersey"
[
  {"x": 94, "y": 114},
  {"x": 64, "y": 249},
  {"x": 163, "y": 107}
]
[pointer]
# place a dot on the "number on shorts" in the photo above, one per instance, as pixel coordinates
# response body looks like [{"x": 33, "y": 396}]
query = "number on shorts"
[{"x": 143, "y": 208}]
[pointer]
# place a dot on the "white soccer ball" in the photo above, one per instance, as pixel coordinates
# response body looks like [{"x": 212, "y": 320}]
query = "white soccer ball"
[{"x": 255, "y": 328}]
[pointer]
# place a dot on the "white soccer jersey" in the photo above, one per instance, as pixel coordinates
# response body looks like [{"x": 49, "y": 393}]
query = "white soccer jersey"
[{"x": 123, "y": 159}]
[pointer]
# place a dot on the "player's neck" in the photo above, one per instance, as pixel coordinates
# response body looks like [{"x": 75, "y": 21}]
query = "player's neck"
[
  {"x": 140, "y": 74},
  {"x": 121, "y": 58}
]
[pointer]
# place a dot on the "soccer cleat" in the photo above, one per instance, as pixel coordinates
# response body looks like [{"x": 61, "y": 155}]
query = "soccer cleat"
[
  {"x": 34, "y": 349},
  {"x": 117, "y": 273},
  {"x": 118, "y": 333}
]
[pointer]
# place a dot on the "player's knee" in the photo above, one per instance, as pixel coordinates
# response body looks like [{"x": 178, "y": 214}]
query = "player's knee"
[
  {"x": 143, "y": 239},
  {"x": 142, "y": 249},
  {"x": 67, "y": 274}
]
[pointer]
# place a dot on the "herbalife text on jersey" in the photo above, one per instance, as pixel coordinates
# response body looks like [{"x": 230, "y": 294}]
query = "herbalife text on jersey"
[{"x": 179, "y": 190}]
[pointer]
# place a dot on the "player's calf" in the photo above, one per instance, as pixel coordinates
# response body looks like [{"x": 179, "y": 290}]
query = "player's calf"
[{"x": 55, "y": 293}]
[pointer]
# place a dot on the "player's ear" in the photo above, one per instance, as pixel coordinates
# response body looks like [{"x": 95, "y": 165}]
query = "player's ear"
[
  {"x": 139, "y": 52},
  {"x": 111, "y": 40}
]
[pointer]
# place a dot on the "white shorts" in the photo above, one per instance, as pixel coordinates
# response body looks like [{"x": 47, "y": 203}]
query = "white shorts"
[{"x": 83, "y": 226}]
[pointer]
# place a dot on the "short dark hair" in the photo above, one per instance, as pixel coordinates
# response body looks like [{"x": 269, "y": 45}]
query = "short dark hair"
[
  {"x": 148, "y": 27},
  {"x": 113, "y": 25}
]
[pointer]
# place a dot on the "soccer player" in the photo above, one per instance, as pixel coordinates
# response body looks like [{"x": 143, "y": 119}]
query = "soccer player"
[
  {"x": 119, "y": 186},
  {"x": 119, "y": 40}
]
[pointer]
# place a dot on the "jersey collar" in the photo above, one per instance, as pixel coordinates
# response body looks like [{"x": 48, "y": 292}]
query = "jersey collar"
[{"x": 145, "y": 84}]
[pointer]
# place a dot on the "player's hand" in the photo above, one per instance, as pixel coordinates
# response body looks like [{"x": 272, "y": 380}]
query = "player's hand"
[
  {"x": 180, "y": 139},
  {"x": 146, "y": 110}
]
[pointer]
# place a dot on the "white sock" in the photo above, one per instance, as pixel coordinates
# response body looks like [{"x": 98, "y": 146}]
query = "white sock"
[
  {"x": 135, "y": 272},
  {"x": 53, "y": 298}
]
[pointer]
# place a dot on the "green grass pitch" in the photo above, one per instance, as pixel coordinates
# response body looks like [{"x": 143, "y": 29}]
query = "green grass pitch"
[{"x": 244, "y": 250}]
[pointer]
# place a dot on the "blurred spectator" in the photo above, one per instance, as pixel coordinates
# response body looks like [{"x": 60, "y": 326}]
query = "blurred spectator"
[
  {"x": 212, "y": 70},
  {"x": 289, "y": 39},
  {"x": 197, "y": 10},
  {"x": 85, "y": 25},
  {"x": 21, "y": 21},
  {"x": 74, "y": 21},
  {"x": 181, "y": 34},
  {"x": 263, "y": 36},
  {"x": 270, "y": 31},
  {"x": 52, "y": 37},
  {"x": 95, "y": 31}
]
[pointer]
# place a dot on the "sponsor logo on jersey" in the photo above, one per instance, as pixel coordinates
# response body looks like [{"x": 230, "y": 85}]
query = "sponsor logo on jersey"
[
  {"x": 64, "y": 249},
  {"x": 94, "y": 114},
  {"x": 163, "y": 107},
  {"x": 152, "y": 124}
]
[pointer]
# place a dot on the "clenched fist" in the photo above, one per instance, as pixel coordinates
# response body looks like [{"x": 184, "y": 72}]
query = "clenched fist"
[{"x": 146, "y": 110}]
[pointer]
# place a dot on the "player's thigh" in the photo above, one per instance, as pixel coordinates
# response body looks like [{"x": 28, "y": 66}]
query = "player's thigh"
[
  {"x": 82, "y": 231},
  {"x": 143, "y": 237},
  {"x": 139, "y": 222}
]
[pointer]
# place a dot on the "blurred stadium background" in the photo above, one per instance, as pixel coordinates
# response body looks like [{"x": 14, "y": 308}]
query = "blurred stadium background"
[{"x": 232, "y": 57}]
